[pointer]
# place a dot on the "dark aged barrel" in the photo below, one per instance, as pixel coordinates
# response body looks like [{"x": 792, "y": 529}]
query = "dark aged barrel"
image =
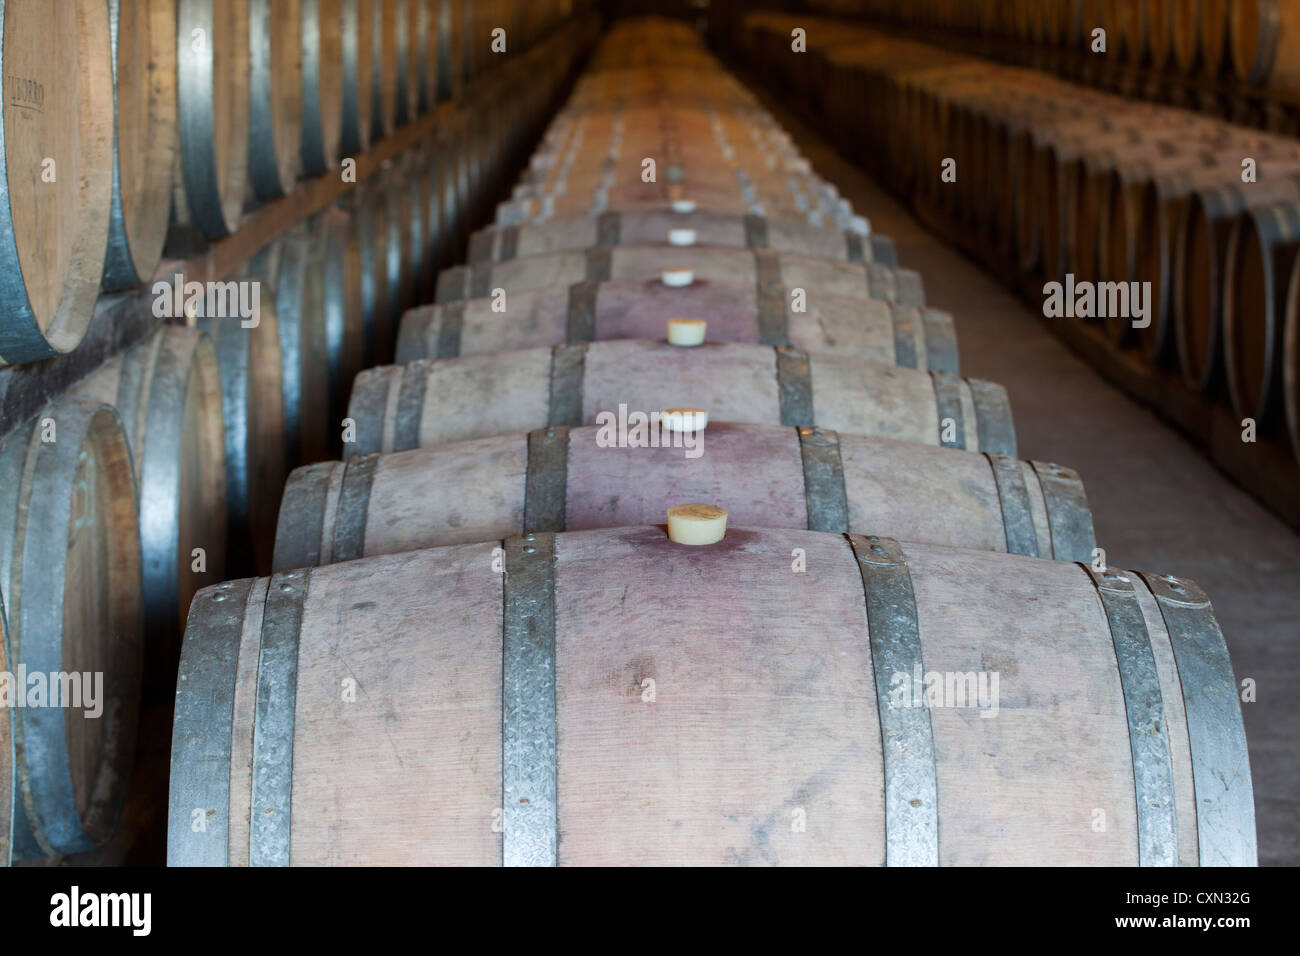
[
  {"x": 70, "y": 574},
  {"x": 549, "y": 714},
  {"x": 338, "y": 297},
  {"x": 275, "y": 115},
  {"x": 384, "y": 67},
  {"x": 639, "y": 309},
  {"x": 249, "y": 363},
  {"x": 167, "y": 391},
  {"x": 56, "y": 154},
  {"x": 427, "y": 402},
  {"x": 1264, "y": 43},
  {"x": 212, "y": 90},
  {"x": 289, "y": 274},
  {"x": 572, "y": 479},
  {"x": 502, "y": 244},
  {"x": 1260, "y": 258},
  {"x": 357, "y": 74},
  {"x": 714, "y": 263},
  {"x": 1291, "y": 359},
  {"x": 370, "y": 234},
  {"x": 6, "y": 752},
  {"x": 144, "y": 88},
  {"x": 322, "y": 25}
]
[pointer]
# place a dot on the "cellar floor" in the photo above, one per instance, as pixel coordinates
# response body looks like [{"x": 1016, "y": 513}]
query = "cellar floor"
[{"x": 1158, "y": 503}]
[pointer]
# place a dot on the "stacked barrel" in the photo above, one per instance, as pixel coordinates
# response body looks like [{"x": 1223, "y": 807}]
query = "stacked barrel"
[
  {"x": 156, "y": 468},
  {"x": 652, "y": 549},
  {"x": 1050, "y": 179}
]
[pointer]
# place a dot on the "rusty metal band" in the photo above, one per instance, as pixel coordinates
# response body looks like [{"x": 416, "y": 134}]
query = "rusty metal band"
[
  {"x": 298, "y": 541},
  {"x": 546, "y": 480},
  {"x": 480, "y": 280},
  {"x": 599, "y": 263},
  {"x": 947, "y": 398},
  {"x": 854, "y": 250},
  {"x": 580, "y": 320},
  {"x": 940, "y": 341},
  {"x": 202, "y": 726},
  {"x": 794, "y": 386},
  {"x": 773, "y": 321},
  {"x": 609, "y": 228},
  {"x": 410, "y": 405},
  {"x": 353, "y": 510},
  {"x": 277, "y": 696},
  {"x": 906, "y": 735},
  {"x": 1069, "y": 519},
  {"x": 529, "y": 788},
  {"x": 824, "y": 495},
  {"x": 994, "y": 427},
  {"x": 884, "y": 251},
  {"x": 756, "y": 231},
  {"x": 1153, "y": 775},
  {"x": 568, "y": 369},
  {"x": 1013, "y": 498},
  {"x": 450, "y": 325},
  {"x": 1225, "y": 804},
  {"x": 905, "y": 320},
  {"x": 452, "y": 284}
]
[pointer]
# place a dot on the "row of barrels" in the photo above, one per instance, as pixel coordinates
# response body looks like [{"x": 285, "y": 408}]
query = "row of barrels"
[
  {"x": 161, "y": 473},
  {"x": 128, "y": 116},
  {"x": 1059, "y": 180},
  {"x": 485, "y": 581},
  {"x": 1254, "y": 41}
]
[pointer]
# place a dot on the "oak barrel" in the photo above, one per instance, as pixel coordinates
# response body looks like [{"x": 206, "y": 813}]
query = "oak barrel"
[
  {"x": 6, "y": 753},
  {"x": 397, "y": 407},
  {"x": 357, "y": 74},
  {"x": 322, "y": 50},
  {"x": 56, "y": 136},
  {"x": 70, "y": 575},
  {"x": 615, "y": 698},
  {"x": 144, "y": 139},
  {"x": 212, "y": 90},
  {"x": 572, "y": 479},
  {"x": 870, "y": 329},
  {"x": 167, "y": 391},
  {"x": 275, "y": 114}
]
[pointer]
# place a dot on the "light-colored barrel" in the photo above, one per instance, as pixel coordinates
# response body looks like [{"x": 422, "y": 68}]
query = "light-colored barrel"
[
  {"x": 56, "y": 155},
  {"x": 322, "y": 26},
  {"x": 430, "y": 401},
  {"x": 212, "y": 91},
  {"x": 870, "y": 329},
  {"x": 275, "y": 88},
  {"x": 569, "y": 699},
  {"x": 357, "y": 74},
  {"x": 167, "y": 391},
  {"x": 70, "y": 575},
  {"x": 144, "y": 87}
]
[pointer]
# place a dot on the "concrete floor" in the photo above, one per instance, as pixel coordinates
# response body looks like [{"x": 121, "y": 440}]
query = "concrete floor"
[{"x": 1158, "y": 503}]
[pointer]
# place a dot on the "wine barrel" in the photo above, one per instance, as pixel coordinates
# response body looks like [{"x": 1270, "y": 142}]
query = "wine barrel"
[
  {"x": 275, "y": 109},
  {"x": 55, "y": 136},
  {"x": 70, "y": 575},
  {"x": 427, "y": 402},
  {"x": 572, "y": 479},
  {"x": 322, "y": 49},
  {"x": 6, "y": 753},
  {"x": 338, "y": 296},
  {"x": 357, "y": 74},
  {"x": 1214, "y": 36},
  {"x": 250, "y": 367},
  {"x": 450, "y": 50},
  {"x": 862, "y": 280},
  {"x": 290, "y": 270},
  {"x": 655, "y": 225},
  {"x": 1291, "y": 360},
  {"x": 385, "y": 68},
  {"x": 424, "y": 58},
  {"x": 1186, "y": 37},
  {"x": 1203, "y": 232},
  {"x": 212, "y": 90},
  {"x": 144, "y": 139},
  {"x": 167, "y": 391},
  {"x": 370, "y": 249},
  {"x": 874, "y": 330},
  {"x": 576, "y": 692},
  {"x": 1261, "y": 255},
  {"x": 1264, "y": 43}
]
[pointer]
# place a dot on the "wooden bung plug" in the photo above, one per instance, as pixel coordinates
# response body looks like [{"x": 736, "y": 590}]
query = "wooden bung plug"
[
  {"x": 686, "y": 332},
  {"x": 685, "y": 419},
  {"x": 696, "y": 524},
  {"x": 677, "y": 278},
  {"x": 681, "y": 237}
]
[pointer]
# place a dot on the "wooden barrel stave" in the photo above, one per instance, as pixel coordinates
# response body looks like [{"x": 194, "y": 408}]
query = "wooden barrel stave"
[
  {"x": 275, "y": 106},
  {"x": 428, "y": 401},
  {"x": 452, "y": 623},
  {"x": 357, "y": 74},
  {"x": 872, "y": 329},
  {"x": 70, "y": 575},
  {"x": 322, "y": 50}
]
